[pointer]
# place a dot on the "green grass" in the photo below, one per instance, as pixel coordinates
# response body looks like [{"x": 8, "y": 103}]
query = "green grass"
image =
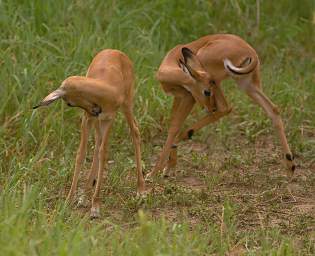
[{"x": 231, "y": 197}]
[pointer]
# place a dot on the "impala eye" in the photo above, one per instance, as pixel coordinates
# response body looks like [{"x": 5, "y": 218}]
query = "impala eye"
[{"x": 207, "y": 93}]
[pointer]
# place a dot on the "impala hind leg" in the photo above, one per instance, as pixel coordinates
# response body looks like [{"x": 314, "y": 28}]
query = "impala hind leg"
[
  {"x": 181, "y": 108},
  {"x": 222, "y": 108},
  {"x": 134, "y": 130},
  {"x": 85, "y": 128},
  {"x": 257, "y": 95},
  {"x": 96, "y": 201}
]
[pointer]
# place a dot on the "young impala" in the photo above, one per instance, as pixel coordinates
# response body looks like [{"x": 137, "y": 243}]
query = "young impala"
[
  {"x": 193, "y": 73},
  {"x": 107, "y": 87}
]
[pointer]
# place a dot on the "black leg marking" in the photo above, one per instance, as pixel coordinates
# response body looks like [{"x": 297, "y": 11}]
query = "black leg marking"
[
  {"x": 289, "y": 157},
  {"x": 293, "y": 168},
  {"x": 94, "y": 182},
  {"x": 190, "y": 133}
]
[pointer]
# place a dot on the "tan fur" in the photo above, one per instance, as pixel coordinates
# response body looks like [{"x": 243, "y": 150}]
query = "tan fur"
[
  {"x": 107, "y": 87},
  {"x": 214, "y": 58}
]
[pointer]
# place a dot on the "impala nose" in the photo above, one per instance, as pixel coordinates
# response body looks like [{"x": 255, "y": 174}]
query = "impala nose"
[{"x": 96, "y": 110}]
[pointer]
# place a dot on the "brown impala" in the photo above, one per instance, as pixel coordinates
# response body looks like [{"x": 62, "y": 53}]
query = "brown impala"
[{"x": 193, "y": 73}]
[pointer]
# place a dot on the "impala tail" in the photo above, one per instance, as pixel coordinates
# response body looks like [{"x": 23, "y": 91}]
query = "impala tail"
[{"x": 247, "y": 66}]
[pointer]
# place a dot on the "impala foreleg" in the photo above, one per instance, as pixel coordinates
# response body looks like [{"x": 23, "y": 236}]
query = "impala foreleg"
[
  {"x": 221, "y": 107},
  {"x": 85, "y": 128},
  {"x": 91, "y": 179},
  {"x": 96, "y": 201},
  {"x": 181, "y": 109}
]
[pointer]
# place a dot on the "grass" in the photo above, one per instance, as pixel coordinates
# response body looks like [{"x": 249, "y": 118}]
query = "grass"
[{"x": 231, "y": 194}]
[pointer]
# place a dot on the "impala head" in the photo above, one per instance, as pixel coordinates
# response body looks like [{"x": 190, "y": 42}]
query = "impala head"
[
  {"x": 75, "y": 93},
  {"x": 201, "y": 79}
]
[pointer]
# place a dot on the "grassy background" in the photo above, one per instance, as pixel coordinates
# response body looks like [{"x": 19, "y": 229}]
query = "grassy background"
[{"x": 42, "y": 42}]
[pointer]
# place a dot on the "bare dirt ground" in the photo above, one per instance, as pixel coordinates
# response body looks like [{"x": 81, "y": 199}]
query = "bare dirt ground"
[
  {"x": 235, "y": 184},
  {"x": 253, "y": 179}
]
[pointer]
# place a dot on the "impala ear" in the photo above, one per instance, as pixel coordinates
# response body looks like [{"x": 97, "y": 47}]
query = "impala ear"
[
  {"x": 187, "y": 54},
  {"x": 183, "y": 66},
  {"x": 55, "y": 95},
  {"x": 191, "y": 63}
]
